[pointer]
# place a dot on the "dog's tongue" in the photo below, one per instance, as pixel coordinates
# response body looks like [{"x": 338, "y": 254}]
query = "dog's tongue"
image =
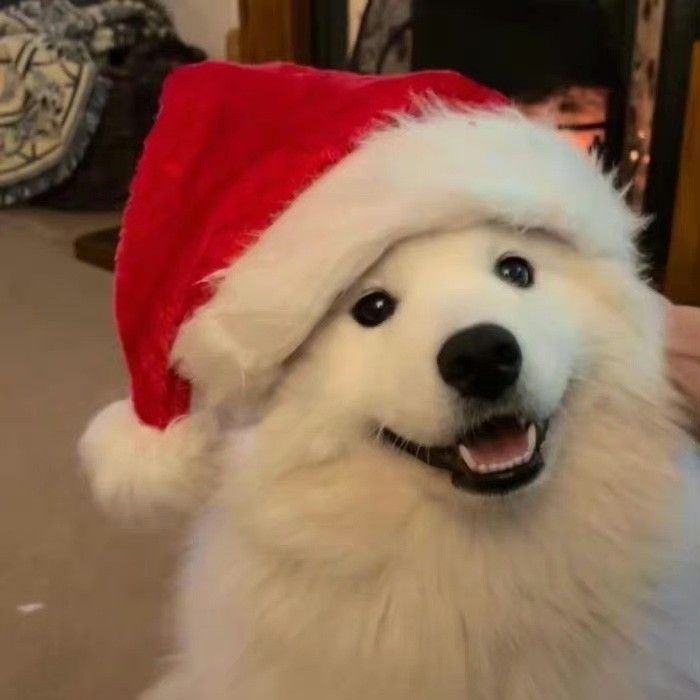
[{"x": 501, "y": 444}]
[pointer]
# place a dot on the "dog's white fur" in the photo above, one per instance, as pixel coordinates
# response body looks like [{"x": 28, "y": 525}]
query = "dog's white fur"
[{"x": 329, "y": 565}]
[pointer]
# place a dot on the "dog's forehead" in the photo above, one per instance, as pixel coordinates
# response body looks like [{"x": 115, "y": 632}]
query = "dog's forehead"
[{"x": 458, "y": 251}]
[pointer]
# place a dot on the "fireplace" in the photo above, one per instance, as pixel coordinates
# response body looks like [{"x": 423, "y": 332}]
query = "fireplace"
[
  {"x": 559, "y": 61},
  {"x": 580, "y": 111},
  {"x": 595, "y": 68}
]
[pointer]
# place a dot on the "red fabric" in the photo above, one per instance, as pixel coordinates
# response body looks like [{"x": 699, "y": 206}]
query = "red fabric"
[{"x": 232, "y": 146}]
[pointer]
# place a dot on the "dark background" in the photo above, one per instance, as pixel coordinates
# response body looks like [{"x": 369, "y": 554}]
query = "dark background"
[{"x": 527, "y": 48}]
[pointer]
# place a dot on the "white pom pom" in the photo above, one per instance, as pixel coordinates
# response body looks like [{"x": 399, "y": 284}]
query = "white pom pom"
[{"x": 136, "y": 469}]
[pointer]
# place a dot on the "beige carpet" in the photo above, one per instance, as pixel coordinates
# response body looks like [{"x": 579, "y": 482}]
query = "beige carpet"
[{"x": 82, "y": 602}]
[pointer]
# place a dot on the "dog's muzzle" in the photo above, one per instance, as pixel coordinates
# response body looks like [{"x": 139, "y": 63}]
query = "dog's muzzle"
[{"x": 499, "y": 455}]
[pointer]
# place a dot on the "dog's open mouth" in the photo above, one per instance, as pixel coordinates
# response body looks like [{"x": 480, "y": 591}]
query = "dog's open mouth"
[{"x": 497, "y": 456}]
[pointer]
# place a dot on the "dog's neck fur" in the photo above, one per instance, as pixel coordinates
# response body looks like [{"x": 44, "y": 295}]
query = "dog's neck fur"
[{"x": 344, "y": 569}]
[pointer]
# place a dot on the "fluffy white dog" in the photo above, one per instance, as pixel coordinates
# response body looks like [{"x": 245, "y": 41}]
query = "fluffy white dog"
[
  {"x": 450, "y": 458},
  {"x": 461, "y": 489}
]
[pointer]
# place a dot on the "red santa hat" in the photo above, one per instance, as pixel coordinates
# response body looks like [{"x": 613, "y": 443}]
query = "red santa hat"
[{"x": 263, "y": 192}]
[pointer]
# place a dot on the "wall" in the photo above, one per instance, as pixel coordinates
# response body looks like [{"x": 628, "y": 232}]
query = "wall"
[
  {"x": 205, "y": 22},
  {"x": 355, "y": 10}
]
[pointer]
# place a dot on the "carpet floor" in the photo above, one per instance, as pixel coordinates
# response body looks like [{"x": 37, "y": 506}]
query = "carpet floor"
[{"x": 83, "y": 602}]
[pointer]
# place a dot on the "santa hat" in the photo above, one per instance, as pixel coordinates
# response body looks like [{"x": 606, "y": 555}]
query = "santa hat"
[{"x": 264, "y": 192}]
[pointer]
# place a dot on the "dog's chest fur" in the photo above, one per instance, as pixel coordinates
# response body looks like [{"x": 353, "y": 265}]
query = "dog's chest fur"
[{"x": 306, "y": 584}]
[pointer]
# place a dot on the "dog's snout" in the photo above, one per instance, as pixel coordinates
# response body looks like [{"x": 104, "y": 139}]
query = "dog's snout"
[{"x": 481, "y": 362}]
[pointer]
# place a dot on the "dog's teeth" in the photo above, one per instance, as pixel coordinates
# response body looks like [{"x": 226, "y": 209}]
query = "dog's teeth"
[
  {"x": 531, "y": 440},
  {"x": 466, "y": 455},
  {"x": 487, "y": 468},
  {"x": 502, "y": 466}
]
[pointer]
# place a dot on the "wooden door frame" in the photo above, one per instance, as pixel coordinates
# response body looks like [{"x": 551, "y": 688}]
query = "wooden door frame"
[
  {"x": 273, "y": 30},
  {"x": 682, "y": 278}
]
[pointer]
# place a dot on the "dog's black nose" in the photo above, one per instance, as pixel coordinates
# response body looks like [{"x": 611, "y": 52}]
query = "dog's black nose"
[{"x": 481, "y": 362}]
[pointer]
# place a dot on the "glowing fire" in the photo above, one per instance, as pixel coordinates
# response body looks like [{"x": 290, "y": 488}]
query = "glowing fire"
[{"x": 583, "y": 108}]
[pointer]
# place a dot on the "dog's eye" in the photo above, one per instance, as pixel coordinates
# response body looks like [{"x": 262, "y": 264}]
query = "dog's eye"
[
  {"x": 374, "y": 308},
  {"x": 515, "y": 270}
]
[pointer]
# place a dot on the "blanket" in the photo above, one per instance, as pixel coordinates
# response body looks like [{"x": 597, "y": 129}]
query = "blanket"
[{"x": 51, "y": 90}]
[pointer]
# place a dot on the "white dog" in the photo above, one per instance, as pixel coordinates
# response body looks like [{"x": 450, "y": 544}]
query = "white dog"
[
  {"x": 459, "y": 477},
  {"x": 461, "y": 489}
]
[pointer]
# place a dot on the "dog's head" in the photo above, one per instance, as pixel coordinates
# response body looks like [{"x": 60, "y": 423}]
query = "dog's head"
[{"x": 465, "y": 349}]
